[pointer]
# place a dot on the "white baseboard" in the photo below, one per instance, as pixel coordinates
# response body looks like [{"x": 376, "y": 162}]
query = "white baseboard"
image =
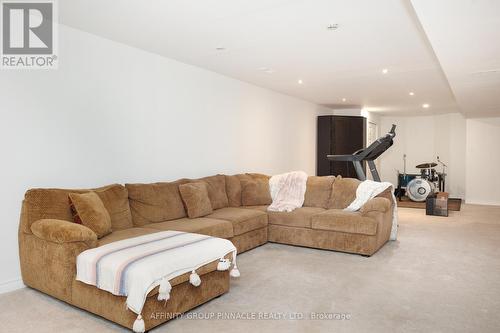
[
  {"x": 11, "y": 285},
  {"x": 482, "y": 203}
]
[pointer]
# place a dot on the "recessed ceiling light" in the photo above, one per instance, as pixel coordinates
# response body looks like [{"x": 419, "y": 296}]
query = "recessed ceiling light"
[
  {"x": 385, "y": 71},
  {"x": 300, "y": 81},
  {"x": 220, "y": 48},
  {"x": 425, "y": 106},
  {"x": 344, "y": 99},
  {"x": 411, "y": 93},
  {"x": 333, "y": 26}
]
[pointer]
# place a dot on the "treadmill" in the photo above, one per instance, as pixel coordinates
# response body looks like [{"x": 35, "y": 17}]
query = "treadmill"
[{"x": 368, "y": 154}]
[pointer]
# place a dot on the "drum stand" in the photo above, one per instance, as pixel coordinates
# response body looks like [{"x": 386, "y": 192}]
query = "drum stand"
[{"x": 442, "y": 176}]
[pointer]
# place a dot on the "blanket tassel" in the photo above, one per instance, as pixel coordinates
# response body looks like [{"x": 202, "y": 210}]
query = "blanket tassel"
[
  {"x": 164, "y": 291},
  {"x": 194, "y": 279},
  {"x": 139, "y": 326},
  {"x": 223, "y": 264},
  {"x": 235, "y": 273}
]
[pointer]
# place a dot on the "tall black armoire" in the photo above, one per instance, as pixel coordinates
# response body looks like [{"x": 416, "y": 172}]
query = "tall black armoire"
[{"x": 339, "y": 135}]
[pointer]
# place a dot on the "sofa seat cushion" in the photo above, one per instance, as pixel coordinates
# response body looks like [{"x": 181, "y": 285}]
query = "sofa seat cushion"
[
  {"x": 201, "y": 225},
  {"x": 300, "y": 217},
  {"x": 119, "y": 235},
  {"x": 262, "y": 208},
  {"x": 342, "y": 221},
  {"x": 243, "y": 220}
]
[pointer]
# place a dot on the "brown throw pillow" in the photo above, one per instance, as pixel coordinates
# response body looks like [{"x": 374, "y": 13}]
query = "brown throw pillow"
[
  {"x": 196, "y": 199},
  {"x": 255, "y": 193},
  {"x": 89, "y": 210}
]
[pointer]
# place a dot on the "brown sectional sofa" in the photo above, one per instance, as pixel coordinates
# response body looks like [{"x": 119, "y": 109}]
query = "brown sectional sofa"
[{"x": 49, "y": 241}]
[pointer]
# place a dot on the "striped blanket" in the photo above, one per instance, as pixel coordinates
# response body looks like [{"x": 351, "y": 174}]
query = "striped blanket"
[{"x": 135, "y": 266}]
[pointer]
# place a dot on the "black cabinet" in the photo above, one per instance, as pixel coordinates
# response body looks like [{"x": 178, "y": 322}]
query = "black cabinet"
[{"x": 339, "y": 135}]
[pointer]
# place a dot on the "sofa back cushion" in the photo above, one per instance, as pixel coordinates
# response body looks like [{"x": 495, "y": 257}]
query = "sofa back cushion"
[
  {"x": 216, "y": 186},
  {"x": 255, "y": 192},
  {"x": 343, "y": 192},
  {"x": 233, "y": 191},
  {"x": 88, "y": 210},
  {"x": 196, "y": 199},
  {"x": 156, "y": 202},
  {"x": 53, "y": 203},
  {"x": 318, "y": 191},
  {"x": 233, "y": 186},
  {"x": 258, "y": 176},
  {"x": 115, "y": 199}
]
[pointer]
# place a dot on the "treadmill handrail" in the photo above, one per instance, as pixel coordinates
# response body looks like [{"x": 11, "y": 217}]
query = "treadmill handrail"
[
  {"x": 369, "y": 154},
  {"x": 344, "y": 157}
]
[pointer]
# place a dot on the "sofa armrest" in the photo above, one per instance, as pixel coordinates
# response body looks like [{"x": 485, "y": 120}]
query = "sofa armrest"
[
  {"x": 59, "y": 231},
  {"x": 377, "y": 204},
  {"x": 48, "y": 255}
]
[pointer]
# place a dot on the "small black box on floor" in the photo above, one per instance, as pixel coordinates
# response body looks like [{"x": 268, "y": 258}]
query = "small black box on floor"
[{"x": 437, "y": 204}]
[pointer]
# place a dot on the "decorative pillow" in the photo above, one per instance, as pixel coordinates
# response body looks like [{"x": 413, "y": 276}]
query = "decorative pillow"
[
  {"x": 89, "y": 211},
  {"x": 195, "y": 198},
  {"x": 318, "y": 191},
  {"x": 255, "y": 193},
  {"x": 343, "y": 192}
]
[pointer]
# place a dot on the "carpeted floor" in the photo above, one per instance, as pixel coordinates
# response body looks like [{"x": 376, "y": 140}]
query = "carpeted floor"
[{"x": 442, "y": 275}]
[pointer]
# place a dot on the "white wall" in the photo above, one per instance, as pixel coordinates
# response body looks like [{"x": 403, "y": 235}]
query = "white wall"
[
  {"x": 112, "y": 113},
  {"x": 483, "y": 161},
  {"x": 422, "y": 139},
  {"x": 468, "y": 146},
  {"x": 370, "y": 116}
]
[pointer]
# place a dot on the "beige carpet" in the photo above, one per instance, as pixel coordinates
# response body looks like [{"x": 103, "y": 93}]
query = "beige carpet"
[{"x": 442, "y": 275}]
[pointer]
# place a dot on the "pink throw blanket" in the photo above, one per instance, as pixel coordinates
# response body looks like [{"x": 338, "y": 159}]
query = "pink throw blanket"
[{"x": 287, "y": 191}]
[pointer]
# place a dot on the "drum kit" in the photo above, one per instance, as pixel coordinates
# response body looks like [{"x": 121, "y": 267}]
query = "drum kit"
[{"x": 419, "y": 186}]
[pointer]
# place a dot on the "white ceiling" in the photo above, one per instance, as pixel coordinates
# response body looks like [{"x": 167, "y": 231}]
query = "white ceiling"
[
  {"x": 465, "y": 36},
  {"x": 290, "y": 37}
]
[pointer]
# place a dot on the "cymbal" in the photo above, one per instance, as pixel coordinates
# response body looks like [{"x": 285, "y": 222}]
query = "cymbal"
[{"x": 426, "y": 165}]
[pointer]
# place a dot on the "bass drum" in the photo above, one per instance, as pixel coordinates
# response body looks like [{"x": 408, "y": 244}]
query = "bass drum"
[{"x": 419, "y": 189}]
